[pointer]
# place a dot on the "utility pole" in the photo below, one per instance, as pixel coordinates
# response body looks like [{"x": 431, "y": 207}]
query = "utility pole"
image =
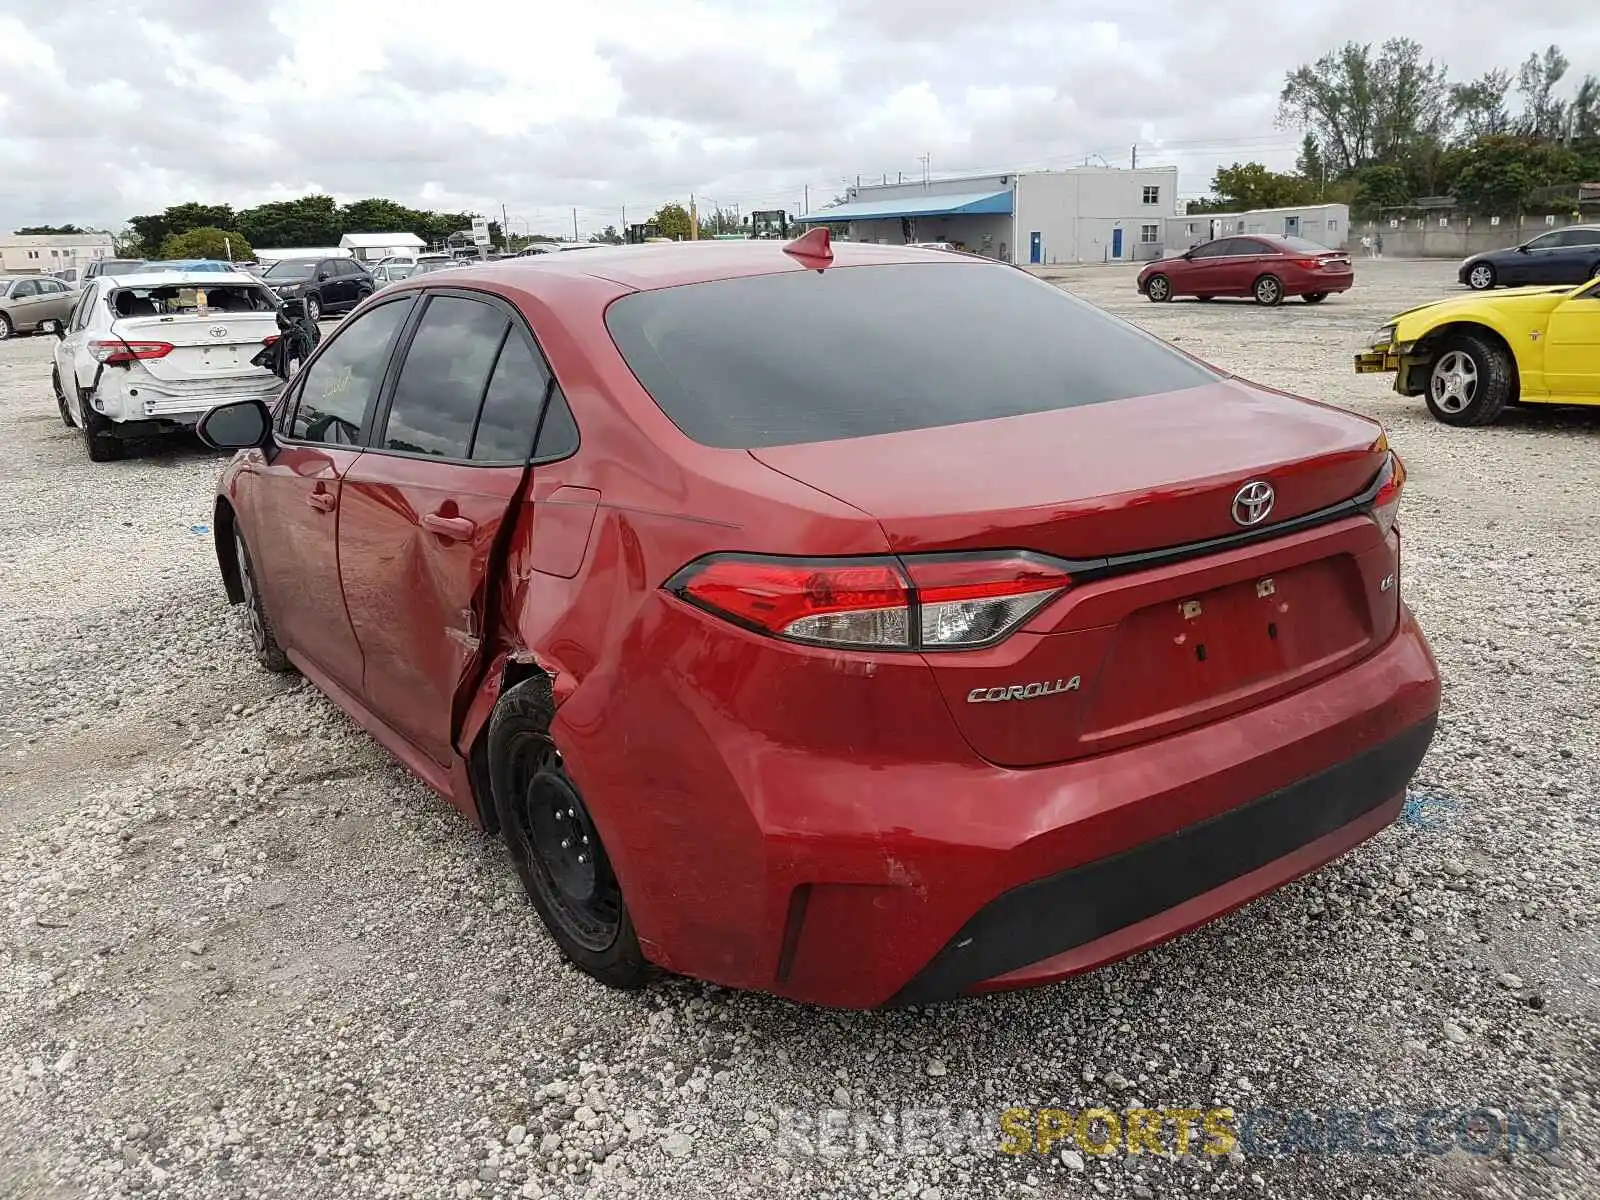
[
  {"x": 574, "y": 224},
  {"x": 805, "y": 202},
  {"x": 694, "y": 220},
  {"x": 1135, "y": 156},
  {"x": 925, "y": 160},
  {"x": 505, "y": 229},
  {"x": 624, "y": 220}
]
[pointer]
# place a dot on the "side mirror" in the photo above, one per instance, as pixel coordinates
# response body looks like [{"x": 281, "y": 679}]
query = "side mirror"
[
  {"x": 241, "y": 425},
  {"x": 1187, "y": 254},
  {"x": 1522, "y": 249},
  {"x": 322, "y": 276},
  {"x": 60, "y": 330}
]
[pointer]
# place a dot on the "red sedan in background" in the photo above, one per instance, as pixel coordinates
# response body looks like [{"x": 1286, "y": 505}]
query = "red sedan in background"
[
  {"x": 862, "y": 624},
  {"x": 1267, "y": 268}
]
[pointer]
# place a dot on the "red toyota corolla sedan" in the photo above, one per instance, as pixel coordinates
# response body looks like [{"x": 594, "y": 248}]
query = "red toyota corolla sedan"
[
  {"x": 863, "y": 624},
  {"x": 1267, "y": 268}
]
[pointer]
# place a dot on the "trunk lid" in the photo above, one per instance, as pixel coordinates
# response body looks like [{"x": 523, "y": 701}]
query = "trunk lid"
[
  {"x": 1146, "y": 651},
  {"x": 1097, "y": 480},
  {"x": 214, "y": 346}
]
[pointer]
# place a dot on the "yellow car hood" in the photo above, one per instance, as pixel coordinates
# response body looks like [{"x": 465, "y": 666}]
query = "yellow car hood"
[{"x": 1478, "y": 301}]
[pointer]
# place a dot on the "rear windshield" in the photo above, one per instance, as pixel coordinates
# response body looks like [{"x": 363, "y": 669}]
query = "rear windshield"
[
  {"x": 181, "y": 301},
  {"x": 775, "y": 360},
  {"x": 1302, "y": 246}
]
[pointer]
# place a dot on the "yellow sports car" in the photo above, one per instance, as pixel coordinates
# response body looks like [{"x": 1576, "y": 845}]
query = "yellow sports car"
[{"x": 1470, "y": 356}]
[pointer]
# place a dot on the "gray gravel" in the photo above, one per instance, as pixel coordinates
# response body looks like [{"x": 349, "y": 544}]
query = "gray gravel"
[{"x": 245, "y": 954}]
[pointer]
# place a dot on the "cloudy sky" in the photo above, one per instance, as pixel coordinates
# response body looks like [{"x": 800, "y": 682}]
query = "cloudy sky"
[{"x": 109, "y": 108}]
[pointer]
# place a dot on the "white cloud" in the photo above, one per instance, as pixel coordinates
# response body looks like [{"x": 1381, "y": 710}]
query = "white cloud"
[{"x": 633, "y": 102}]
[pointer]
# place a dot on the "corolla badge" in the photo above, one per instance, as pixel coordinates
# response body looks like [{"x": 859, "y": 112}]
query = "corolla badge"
[
  {"x": 1024, "y": 691},
  {"x": 1253, "y": 502}
]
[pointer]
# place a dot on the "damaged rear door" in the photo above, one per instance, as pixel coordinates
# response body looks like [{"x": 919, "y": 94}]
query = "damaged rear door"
[{"x": 425, "y": 506}]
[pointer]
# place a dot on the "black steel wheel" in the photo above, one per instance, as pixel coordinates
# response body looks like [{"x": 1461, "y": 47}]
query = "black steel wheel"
[{"x": 555, "y": 845}]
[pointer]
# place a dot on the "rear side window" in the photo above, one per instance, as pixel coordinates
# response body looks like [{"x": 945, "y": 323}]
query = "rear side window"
[
  {"x": 511, "y": 406},
  {"x": 812, "y": 356},
  {"x": 443, "y": 380}
]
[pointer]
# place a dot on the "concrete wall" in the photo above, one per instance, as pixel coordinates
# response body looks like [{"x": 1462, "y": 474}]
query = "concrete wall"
[
  {"x": 1424, "y": 237},
  {"x": 984, "y": 234},
  {"x": 45, "y": 254},
  {"x": 1076, "y": 212}
]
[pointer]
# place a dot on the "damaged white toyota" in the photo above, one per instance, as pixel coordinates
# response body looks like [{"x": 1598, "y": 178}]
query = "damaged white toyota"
[{"x": 148, "y": 354}]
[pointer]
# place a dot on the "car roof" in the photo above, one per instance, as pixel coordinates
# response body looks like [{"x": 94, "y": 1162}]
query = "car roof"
[
  {"x": 151, "y": 279},
  {"x": 662, "y": 265}
]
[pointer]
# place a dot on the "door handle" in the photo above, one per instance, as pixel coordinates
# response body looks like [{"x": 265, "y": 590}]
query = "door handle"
[
  {"x": 457, "y": 529},
  {"x": 321, "y": 501}
]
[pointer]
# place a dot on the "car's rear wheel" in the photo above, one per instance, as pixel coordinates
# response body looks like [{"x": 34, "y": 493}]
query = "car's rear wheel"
[
  {"x": 61, "y": 398},
  {"x": 1269, "y": 290},
  {"x": 1470, "y": 381},
  {"x": 555, "y": 846},
  {"x": 263, "y": 639},
  {"x": 103, "y": 444},
  {"x": 1314, "y": 297},
  {"x": 313, "y": 309},
  {"x": 1158, "y": 288},
  {"x": 6, "y": 327},
  {"x": 1481, "y": 278}
]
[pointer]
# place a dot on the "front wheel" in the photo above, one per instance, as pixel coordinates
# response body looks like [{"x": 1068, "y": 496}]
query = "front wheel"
[
  {"x": 313, "y": 309},
  {"x": 1269, "y": 290},
  {"x": 1481, "y": 278},
  {"x": 1158, "y": 288},
  {"x": 1314, "y": 297},
  {"x": 555, "y": 846},
  {"x": 6, "y": 327},
  {"x": 263, "y": 638},
  {"x": 1470, "y": 381}
]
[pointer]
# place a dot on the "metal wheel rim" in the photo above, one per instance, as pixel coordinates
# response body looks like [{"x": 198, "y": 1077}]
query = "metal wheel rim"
[
  {"x": 555, "y": 836},
  {"x": 252, "y": 599},
  {"x": 313, "y": 309},
  {"x": 1157, "y": 288},
  {"x": 5, "y": 328},
  {"x": 1480, "y": 277},
  {"x": 1454, "y": 382},
  {"x": 1267, "y": 289}
]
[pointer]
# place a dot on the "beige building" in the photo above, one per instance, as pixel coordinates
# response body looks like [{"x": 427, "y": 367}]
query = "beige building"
[{"x": 46, "y": 254}]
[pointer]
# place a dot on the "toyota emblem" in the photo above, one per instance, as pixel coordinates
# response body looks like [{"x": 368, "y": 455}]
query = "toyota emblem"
[
  {"x": 218, "y": 331},
  {"x": 1253, "y": 502}
]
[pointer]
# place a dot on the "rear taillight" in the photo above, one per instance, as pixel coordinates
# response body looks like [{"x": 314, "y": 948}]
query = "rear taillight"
[
  {"x": 269, "y": 339},
  {"x": 933, "y": 602},
  {"x": 1386, "y": 504},
  {"x": 120, "y": 352}
]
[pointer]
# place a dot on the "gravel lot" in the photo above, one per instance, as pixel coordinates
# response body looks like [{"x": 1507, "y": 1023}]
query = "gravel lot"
[{"x": 245, "y": 954}]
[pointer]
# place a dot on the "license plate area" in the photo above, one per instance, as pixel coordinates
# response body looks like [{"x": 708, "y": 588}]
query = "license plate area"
[{"x": 1174, "y": 661}]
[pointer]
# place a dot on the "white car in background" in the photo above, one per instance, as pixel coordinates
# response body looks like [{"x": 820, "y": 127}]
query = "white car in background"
[{"x": 148, "y": 354}]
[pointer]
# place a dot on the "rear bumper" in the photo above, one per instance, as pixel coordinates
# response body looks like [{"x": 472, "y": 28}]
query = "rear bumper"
[
  {"x": 139, "y": 402},
  {"x": 842, "y": 880}
]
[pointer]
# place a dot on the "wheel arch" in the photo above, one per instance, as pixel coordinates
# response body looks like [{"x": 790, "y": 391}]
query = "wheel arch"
[
  {"x": 510, "y": 670},
  {"x": 223, "y": 524},
  {"x": 1429, "y": 342}
]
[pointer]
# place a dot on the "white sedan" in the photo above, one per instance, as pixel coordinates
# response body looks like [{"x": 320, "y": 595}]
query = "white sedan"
[{"x": 147, "y": 354}]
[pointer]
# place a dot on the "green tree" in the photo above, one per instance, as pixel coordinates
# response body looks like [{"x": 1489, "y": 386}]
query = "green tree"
[
  {"x": 378, "y": 215},
  {"x": 672, "y": 220},
  {"x": 47, "y": 230},
  {"x": 208, "y": 242},
  {"x": 1479, "y": 108},
  {"x": 1379, "y": 186},
  {"x": 1361, "y": 107},
  {"x": 1543, "y": 114},
  {"x": 307, "y": 221},
  {"x": 608, "y": 236},
  {"x": 180, "y": 218},
  {"x": 1251, "y": 185}
]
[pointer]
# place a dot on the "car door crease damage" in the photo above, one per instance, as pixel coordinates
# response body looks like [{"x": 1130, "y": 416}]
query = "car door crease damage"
[{"x": 614, "y": 552}]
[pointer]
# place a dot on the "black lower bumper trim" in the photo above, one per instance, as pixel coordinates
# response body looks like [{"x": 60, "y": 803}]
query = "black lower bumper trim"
[{"x": 1060, "y": 912}]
